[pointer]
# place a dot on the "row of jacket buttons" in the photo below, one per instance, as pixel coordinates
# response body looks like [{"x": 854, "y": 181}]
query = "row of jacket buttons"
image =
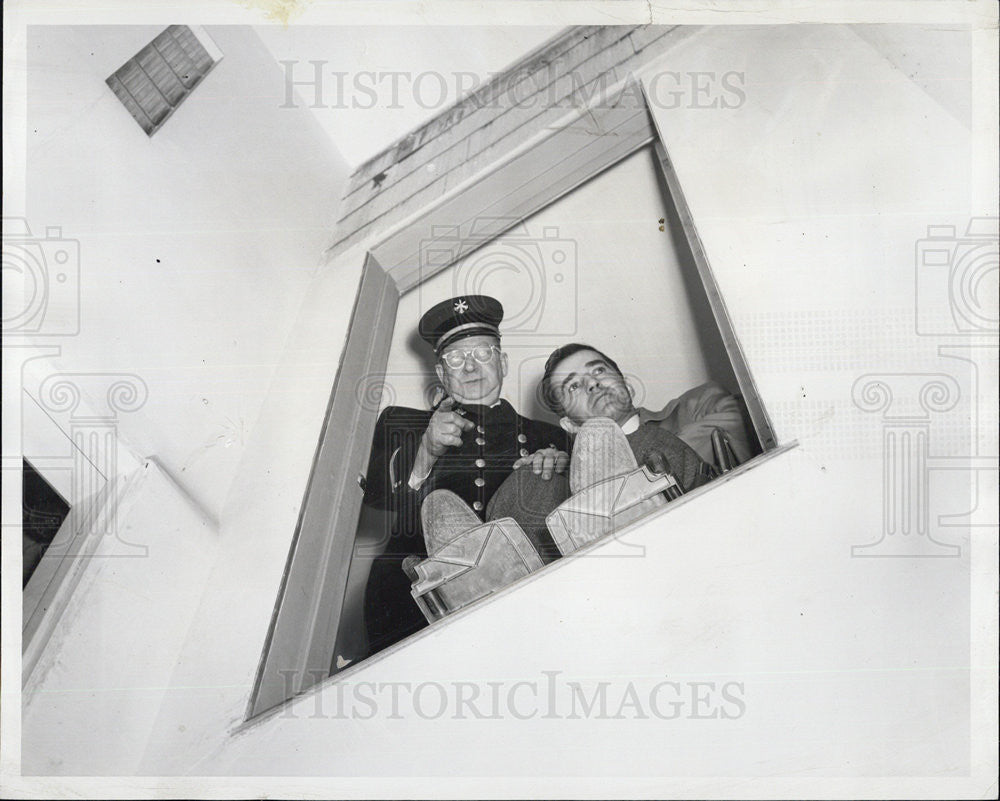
[{"x": 481, "y": 463}]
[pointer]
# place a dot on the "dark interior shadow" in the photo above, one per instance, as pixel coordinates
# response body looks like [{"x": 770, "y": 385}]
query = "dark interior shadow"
[{"x": 353, "y": 643}]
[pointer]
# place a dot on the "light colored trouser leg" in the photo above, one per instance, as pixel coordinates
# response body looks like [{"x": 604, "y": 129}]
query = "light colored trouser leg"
[{"x": 600, "y": 451}]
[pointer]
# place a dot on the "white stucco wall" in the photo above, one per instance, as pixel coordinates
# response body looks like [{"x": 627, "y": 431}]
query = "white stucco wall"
[
  {"x": 196, "y": 244},
  {"x": 196, "y": 248},
  {"x": 843, "y": 666},
  {"x": 107, "y": 668}
]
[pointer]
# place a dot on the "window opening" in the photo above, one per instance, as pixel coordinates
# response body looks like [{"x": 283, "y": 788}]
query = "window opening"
[{"x": 43, "y": 511}]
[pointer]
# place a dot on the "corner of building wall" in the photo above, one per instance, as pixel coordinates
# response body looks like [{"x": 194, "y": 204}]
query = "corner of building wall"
[{"x": 135, "y": 596}]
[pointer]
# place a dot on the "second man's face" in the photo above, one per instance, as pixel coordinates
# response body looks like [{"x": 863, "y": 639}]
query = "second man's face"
[
  {"x": 472, "y": 380},
  {"x": 587, "y": 386}
]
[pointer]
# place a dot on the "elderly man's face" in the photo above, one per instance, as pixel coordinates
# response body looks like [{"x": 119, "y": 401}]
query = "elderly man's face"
[
  {"x": 464, "y": 374},
  {"x": 587, "y": 386}
]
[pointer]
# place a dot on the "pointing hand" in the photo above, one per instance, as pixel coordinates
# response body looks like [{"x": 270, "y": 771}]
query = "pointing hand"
[{"x": 445, "y": 429}]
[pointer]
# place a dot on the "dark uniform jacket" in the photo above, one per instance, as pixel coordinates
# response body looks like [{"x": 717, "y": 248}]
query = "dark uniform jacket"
[{"x": 474, "y": 472}]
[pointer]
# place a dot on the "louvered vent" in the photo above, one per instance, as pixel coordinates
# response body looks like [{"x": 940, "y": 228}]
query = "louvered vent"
[{"x": 157, "y": 79}]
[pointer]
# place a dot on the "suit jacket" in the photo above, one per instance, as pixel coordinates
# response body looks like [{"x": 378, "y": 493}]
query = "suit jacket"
[
  {"x": 474, "y": 471},
  {"x": 654, "y": 440},
  {"x": 695, "y": 414}
]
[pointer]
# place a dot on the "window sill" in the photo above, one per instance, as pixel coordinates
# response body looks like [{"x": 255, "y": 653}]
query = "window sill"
[{"x": 349, "y": 673}]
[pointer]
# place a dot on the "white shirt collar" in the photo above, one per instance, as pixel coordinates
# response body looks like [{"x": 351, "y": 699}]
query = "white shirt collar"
[{"x": 631, "y": 425}]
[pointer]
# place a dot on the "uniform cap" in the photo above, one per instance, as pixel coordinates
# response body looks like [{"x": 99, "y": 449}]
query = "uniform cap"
[{"x": 460, "y": 317}]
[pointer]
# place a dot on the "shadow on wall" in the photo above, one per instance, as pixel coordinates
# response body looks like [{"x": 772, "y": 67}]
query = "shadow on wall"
[
  {"x": 422, "y": 352},
  {"x": 713, "y": 350}
]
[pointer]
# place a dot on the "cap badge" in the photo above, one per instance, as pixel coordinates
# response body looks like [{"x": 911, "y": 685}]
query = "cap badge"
[{"x": 461, "y": 306}]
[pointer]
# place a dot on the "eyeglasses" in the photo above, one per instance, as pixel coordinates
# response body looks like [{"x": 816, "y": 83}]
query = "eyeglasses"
[{"x": 456, "y": 359}]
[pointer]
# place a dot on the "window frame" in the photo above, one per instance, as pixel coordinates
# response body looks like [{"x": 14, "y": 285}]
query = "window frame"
[{"x": 508, "y": 193}]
